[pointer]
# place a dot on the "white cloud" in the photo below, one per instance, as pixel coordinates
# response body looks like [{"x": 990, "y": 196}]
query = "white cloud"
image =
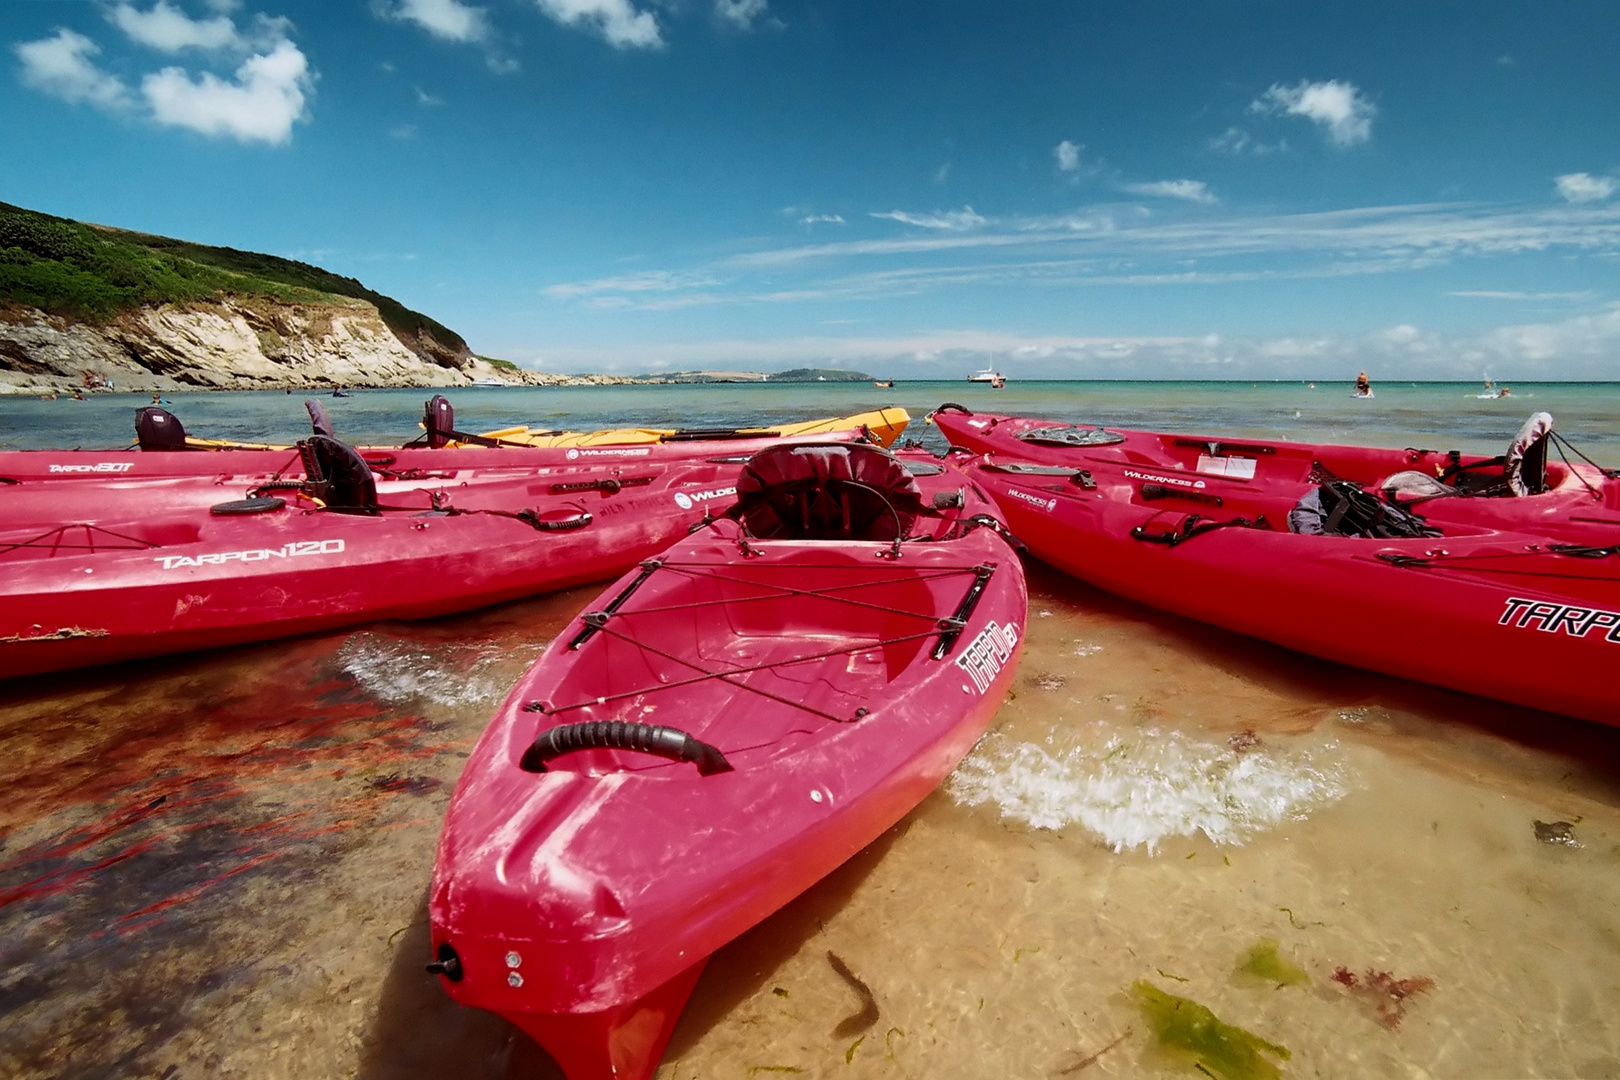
[
  {"x": 618, "y": 21},
  {"x": 62, "y": 67},
  {"x": 426, "y": 99},
  {"x": 740, "y": 13},
  {"x": 822, "y": 219},
  {"x": 266, "y": 97},
  {"x": 949, "y": 220},
  {"x": 1068, "y": 155},
  {"x": 1191, "y": 190},
  {"x": 1584, "y": 187},
  {"x": 168, "y": 29},
  {"x": 450, "y": 20},
  {"x": 1337, "y": 107}
]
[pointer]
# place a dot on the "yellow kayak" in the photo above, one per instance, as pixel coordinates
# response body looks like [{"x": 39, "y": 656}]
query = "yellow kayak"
[{"x": 886, "y": 425}]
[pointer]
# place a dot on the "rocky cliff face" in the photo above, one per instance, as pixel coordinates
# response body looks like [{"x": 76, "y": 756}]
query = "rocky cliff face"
[{"x": 229, "y": 344}]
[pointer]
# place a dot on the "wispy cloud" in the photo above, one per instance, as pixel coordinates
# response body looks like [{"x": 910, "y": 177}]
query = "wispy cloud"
[
  {"x": 63, "y": 67},
  {"x": 426, "y": 99},
  {"x": 260, "y": 103},
  {"x": 620, "y": 22},
  {"x": 1237, "y": 142},
  {"x": 1190, "y": 190},
  {"x": 1067, "y": 155},
  {"x": 949, "y": 220},
  {"x": 739, "y": 13},
  {"x": 822, "y": 219},
  {"x": 648, "y": 281},
  {"x": 448, "y": 20},
  {"x": 1584, "y": 187},
  {"x": 1337, "y": 107},
  {"x": 1493, "y": 294}
]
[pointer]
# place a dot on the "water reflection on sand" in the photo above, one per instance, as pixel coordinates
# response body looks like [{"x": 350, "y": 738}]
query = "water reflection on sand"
[{"x": 217, "y": 866}]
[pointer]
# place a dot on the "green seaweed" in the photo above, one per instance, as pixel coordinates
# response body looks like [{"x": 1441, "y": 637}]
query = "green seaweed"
[
  {"x": 755, "y": 1070},
  {"x": 849, "y": 1055},
  {"x": 1185, "y": 1029},
  {"x": 1263, "y": 963}
]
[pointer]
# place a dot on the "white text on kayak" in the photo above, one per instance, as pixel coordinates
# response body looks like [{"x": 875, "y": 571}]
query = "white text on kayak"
[
  {"x": 989, "y": 653},
  {"x": 286, "y": 551}
]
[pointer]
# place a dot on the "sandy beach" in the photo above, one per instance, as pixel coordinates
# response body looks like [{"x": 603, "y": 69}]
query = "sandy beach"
[{"x": 217, "y": 866}]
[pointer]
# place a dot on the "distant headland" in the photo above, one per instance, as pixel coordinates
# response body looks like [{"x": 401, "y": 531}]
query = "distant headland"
[{"x": 92, "y": 308}]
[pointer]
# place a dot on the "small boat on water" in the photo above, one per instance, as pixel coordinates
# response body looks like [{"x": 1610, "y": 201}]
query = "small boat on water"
[
  {"x": 988, "y": 375},
  {"x": 1497, "y": 576},
  {"x": 721, "y": 729}
]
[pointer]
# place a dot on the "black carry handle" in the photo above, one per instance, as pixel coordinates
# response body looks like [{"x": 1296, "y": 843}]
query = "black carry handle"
[
  {"x": 666, "y": 742},
  {"x": 1151, "y": 492}
]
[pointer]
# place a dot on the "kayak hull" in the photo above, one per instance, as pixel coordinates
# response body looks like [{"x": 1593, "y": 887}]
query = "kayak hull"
[
  {"x": 1490, "y": 607},
  {"x": 93, "y": 593},
  {"x": 571, "y": 896}
]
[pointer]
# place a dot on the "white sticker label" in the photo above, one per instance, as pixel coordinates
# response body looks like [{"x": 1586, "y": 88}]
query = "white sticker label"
[
  {"x": 1239, "y": 468},
  {"x": 989, "y": 653},
  {"x": 294, "y": 550},
  {"x": 98, "y": 467}
]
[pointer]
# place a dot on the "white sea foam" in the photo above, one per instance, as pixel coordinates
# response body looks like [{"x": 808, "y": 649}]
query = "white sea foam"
[
  {"x": 447, "y": 674},
  {"x": 1136, "y": 788}
]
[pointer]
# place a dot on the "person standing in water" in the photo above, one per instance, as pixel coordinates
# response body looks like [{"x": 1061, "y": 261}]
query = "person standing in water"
[{"x": 1363, "y": 385}]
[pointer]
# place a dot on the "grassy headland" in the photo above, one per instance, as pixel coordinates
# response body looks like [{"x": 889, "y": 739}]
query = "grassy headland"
[{"x": 94, "y": 273}]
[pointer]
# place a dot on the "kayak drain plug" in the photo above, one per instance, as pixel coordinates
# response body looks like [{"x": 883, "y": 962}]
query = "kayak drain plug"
[{"x": 448, "y": 964}]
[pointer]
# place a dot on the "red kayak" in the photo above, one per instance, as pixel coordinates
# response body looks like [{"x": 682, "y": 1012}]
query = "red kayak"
[
  {"x": 46, "y": 487},
  {"x": 1495, "y": 576},
  {"x": 723, "y": 727},
  {"x": 96, "y": 586}
]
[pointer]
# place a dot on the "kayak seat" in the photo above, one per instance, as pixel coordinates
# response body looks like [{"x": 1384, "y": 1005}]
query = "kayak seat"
[
  {"x": 158, "y": 429},
  {"x": 336, "y": 474},
  {"x": 1344, "y": 508},
  {"x": 820, "y": 492},
  {"x": 1524, "y": 466}
]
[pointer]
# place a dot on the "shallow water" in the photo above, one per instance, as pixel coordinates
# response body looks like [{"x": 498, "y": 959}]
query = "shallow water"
[
  {"x": 1440, "y": 415},
  {"x": 217, "y": 865}
]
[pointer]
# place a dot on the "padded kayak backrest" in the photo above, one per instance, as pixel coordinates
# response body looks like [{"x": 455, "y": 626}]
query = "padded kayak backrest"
[
  {"x": 336, "y": 474},
  {"x": 318, "y": 419},
  {"x": 1411, "y": 484},
  {"x": 158, "y": 429},
  {"x": 440, "y": 421},
  {"x": 827, "y": 492},
  {"x": 1525, "y": 464}
]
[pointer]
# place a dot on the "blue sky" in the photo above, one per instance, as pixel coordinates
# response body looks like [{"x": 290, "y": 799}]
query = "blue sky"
[{"x": 1105, "y": 189}]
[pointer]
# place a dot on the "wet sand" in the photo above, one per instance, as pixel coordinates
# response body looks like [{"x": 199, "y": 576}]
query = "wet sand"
[{"x": 217, "y": 866}]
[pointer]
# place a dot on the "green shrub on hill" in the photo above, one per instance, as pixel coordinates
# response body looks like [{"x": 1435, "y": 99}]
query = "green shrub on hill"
[{"x": 93, "y": 273}]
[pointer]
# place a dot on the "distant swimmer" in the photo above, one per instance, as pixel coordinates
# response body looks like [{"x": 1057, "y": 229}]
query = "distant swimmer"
[
  {"x": 159, "y": 399},
  {"x": 1363, "y": 386}
]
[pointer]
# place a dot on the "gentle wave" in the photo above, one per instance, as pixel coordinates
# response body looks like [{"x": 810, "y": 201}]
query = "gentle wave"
[
  {"x": 451, "y": 675},
  {"x": 1137, "y": 788}
]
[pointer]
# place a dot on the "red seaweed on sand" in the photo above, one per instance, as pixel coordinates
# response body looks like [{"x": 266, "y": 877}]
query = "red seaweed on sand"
[{"x": 1388, "y": 994}]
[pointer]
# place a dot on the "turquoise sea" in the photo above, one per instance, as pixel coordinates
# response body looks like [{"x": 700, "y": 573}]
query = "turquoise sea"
[
  {"x": 1452, "y": 414},
  {"x": 216, "y": 865}
]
